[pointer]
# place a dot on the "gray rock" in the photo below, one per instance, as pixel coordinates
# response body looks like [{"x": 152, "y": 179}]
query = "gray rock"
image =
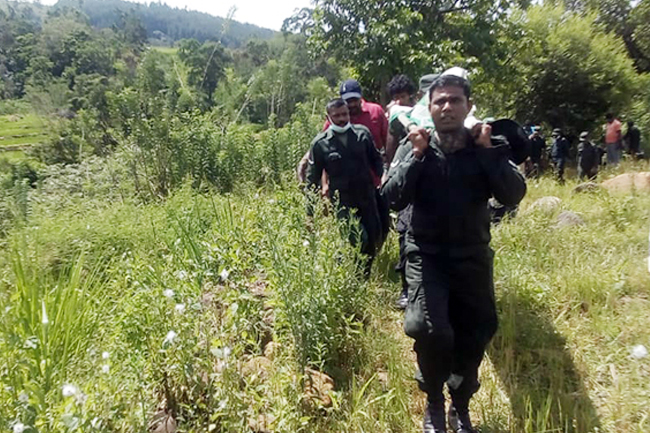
[
  {"x": 546, "y": 204},
  {"x": 587, "y": 187},
  {"x": 569, "y": 219}
]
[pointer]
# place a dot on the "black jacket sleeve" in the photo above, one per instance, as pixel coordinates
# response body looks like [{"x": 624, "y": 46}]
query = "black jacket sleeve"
[
  {"x": 374, "y": 156},
  {"x": 316, "y": 166},
  {"x": 506, "y": 183},
  {"x": 403, "y": 175}
]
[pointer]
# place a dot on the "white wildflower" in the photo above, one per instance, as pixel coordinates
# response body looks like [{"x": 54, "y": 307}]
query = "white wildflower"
[
  {"x": 221, "y": 353},
  {"x": 181, "y": 275},
  {"x": 169, "y": 339},
  {"x": 271, "y": 201},
  {"x": 30, "y": 343},
  {"x": 23, "y": 397},
  {"x": 105, "y": 355},
  {"x": 168, "y": 293},
  {"x": 69, "y": 390},
  {"x": 639, "y": 351},
  {"x": 44, "y": 319},
  {"x": 256, "y": 196},
  {"x": 305, "y": 243},
  {"x": 106, "y": 368},
  {"x": 19, "y": 427},
  {"x": 224, "y": 275},
  {"x": 180, "y": 308},
  {"x": 81, "y": 399}
]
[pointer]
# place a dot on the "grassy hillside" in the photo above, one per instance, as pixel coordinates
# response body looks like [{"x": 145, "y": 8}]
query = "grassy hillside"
[
  {"x": 22, "y": 130},
  {"x": 204, "y": 310}
]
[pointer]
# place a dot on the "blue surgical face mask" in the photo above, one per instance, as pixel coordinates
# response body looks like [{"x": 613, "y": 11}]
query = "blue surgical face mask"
[{"x": 340, "y": 129}]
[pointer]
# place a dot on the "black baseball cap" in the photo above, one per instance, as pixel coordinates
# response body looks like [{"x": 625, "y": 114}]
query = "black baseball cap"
[{"x": 350, "y": 89}]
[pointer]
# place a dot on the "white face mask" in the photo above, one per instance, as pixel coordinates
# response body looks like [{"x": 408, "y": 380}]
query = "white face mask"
[{"x": 340, "y": 129}]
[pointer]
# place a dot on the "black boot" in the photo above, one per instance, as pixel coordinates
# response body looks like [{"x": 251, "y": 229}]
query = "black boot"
[
  {"x": 459, "y": 422},
  {"x": 434, "y": 419},
  {"x": 402, "y": 301}
]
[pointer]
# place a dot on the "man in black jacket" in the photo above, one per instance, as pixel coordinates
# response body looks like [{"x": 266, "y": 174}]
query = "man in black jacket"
[
  {"x": 588, "y": 158},
  {"x": 448, "y": 176},
  {"x": 348, "y": 154},
  {"x": 559, "y": 153}
]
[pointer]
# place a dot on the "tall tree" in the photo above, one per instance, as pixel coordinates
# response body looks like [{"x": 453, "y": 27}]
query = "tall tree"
[
  {"x": 205, "y": 63},
  {"x": 564, "y": 70},
  {"x": 382, "y": 37}
]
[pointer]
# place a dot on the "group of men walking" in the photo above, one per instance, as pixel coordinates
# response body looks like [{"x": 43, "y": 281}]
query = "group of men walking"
[
  {"x": 589, "y": 154},
  {"x": 440, "y": 180}
]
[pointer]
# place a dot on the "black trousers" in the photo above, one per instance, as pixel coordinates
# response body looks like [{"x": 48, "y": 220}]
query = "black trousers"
[
  {"x": 560, "y": 163},
  {"x": 452, "y": 317},
  {"x": 369, "y": 235}
]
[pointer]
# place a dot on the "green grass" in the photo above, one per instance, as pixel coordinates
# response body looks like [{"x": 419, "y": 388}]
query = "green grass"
[
  {"x": 22, "y": 129},
  {"x": 13, "y": 156},
  {"x": 166, "y": 50},
  {"x": 572, "y": 303}
]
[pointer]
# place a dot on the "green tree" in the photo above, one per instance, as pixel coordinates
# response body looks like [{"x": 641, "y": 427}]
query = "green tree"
[
  {"x": 205, "y": 63},
  {"x": 564, "y": 69},
  {"x": 380, "y": 38}
]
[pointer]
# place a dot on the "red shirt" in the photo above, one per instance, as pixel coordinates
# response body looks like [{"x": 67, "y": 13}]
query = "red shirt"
[
  {"x": 373, "y": 117},
  {"x": 612, "y": 132}
]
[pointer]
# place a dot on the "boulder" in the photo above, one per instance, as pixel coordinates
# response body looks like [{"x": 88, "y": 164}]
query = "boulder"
[
  {"x": 162, "y": 422},
  {"x": 258, "y": 367},
  {"x": 586, "y": 187},
  {"x": 318, "y": 386},
  {"x": 272, "y": 349},
  {"x": 628, "y": 182},
  {"x": 262, "y": 423},
  {"x": 546, "y": 204},
  {"x": 569, "y": 219}
]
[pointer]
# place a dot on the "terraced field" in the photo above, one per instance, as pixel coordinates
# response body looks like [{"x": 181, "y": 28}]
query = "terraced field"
[{"x": 20, "y": 131}]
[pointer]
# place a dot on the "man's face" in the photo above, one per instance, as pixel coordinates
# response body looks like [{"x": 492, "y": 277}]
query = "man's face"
[
  {"x": 354, "y": 104},
  {"x": 339, "y": 116},
  {"x": 403, "y": 99},
  {"x": 449, "y": 107}
]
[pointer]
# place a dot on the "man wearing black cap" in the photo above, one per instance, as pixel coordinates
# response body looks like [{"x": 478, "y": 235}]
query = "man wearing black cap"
[
  {"x": 349, "y": 156},
  {"x": 447, "y": 176},
  {"x": 537, "y": 149},
  {"x": 559, "y": 153},
  {"x": 362, "y": 112},
  {"x": 587, "y": 158}
]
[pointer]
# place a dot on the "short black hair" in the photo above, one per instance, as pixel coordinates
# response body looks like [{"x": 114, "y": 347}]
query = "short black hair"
[
  {"x": 609, "y": 116},
  {"x": 335, "y": 103},
  {"x": 400, "y": 84},
  {"x": 450, "y": 80},
  {"x": 630, "y": 123}
]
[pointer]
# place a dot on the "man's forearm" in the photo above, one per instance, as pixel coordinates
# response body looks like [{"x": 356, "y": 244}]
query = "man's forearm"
[{"x": 301, "y": 170}]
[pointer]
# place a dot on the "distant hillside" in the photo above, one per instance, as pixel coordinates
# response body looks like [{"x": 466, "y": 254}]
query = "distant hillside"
[{"x": 161, "y": 21}]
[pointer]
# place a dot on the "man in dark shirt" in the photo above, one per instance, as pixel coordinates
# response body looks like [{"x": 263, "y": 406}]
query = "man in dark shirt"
[
  {"x": 588, "y": 158},
  {"x": 633, "y": 139},
  {"x": 349, "y": 156},
  {"x": 448, "y": 176},
  {"x": 559, "y": 153},
  {"x": 537, "y": 149}
]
